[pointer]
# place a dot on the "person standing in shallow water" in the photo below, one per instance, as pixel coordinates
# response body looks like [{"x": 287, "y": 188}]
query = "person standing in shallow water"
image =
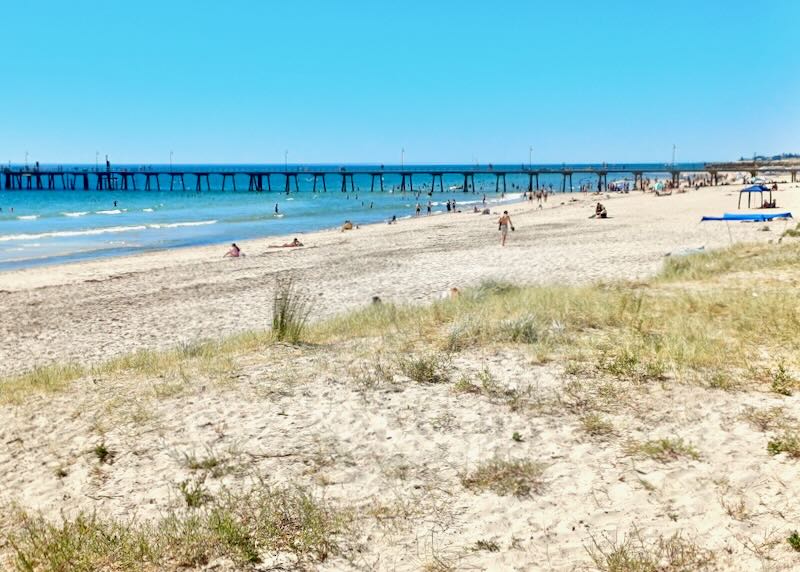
[{"x": 503, "y": 223}]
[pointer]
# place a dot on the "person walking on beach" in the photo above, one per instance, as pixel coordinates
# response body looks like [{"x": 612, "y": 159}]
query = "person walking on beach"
[
  {"x": 429, "y": 207},
  {"x": 419, "y": 208},
  {"x": 503, "y": 223}
]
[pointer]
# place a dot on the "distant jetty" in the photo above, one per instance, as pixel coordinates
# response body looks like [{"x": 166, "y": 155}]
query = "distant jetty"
[{"x": 79, "y": 178}]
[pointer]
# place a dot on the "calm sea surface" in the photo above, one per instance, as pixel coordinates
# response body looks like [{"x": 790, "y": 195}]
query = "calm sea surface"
[{"x": 46, "y": 227}]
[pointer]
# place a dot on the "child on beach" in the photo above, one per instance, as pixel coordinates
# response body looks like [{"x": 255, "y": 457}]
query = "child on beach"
[{"x": 234, "y": 252}]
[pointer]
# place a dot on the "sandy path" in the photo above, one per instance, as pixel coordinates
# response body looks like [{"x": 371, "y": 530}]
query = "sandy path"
[{"x": 91, "y": 311}]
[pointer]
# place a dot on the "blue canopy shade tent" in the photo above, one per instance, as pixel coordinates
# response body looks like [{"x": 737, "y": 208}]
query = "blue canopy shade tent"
[
  {"x": 749, "y": 217},
  {"x": 761, "y": 189}
]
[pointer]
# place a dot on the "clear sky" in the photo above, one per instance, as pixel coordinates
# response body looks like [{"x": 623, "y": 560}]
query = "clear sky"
[{"x": 351, "y": 81}]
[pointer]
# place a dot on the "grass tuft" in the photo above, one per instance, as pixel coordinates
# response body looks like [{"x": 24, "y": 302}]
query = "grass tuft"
[
  {"x": 103, "y": 453},
  {"x": 788, "y": 442},
  {"x": 239, "y": 527},
  {"x": 794, "y": 541},
  {"x": 194, "y": 492},
  {"x": 428, "y": 368},
  {"x": 662, "y": 450},
  {"x": 782, "y": 381},
  {"x": 519, "y": 478},
  {"x": 596, "y": 425},
  {"x": 634, "y": 554},
  {"x": 766, "y": 419},
  {"x": 486, "y": 545},
  {"x": 290, "y": 311},
  {"x": 41, "y": 379},
  {"x": 212, "y": 465}
]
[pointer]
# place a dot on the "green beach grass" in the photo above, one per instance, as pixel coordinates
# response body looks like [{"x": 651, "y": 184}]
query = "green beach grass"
[{"x": 704, "y": 318}]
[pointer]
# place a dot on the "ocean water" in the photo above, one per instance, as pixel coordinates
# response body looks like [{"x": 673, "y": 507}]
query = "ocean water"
[{"x": 47, "y": 227}]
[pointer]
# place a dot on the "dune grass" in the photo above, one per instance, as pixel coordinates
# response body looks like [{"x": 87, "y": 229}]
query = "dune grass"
[
  {"x": 662, "y": 450},
  {"x": 687, "y": 323},
  {"x": 520, "y": 478},
  {"x": 43, "y": 379},
  {"x": 638, "y": 332},
  {"x": 243, "y": 528},
  {"x": 633, "y": 553},
  {"x": 737, "y": 258},
  {"x": 290, "y": 310}
]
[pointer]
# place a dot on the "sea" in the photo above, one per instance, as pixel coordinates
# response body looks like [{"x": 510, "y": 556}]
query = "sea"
[{"x": 41, "y": 227}]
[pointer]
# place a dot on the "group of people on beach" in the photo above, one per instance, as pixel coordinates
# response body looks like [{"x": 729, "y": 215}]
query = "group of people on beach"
[
  {"x": 540, "y": 194},
  {"x": 504, "y": 223},
  {"x": 235, "y": 252}
]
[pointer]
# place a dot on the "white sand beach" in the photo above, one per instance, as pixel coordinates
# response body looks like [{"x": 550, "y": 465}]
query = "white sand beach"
[
  {"x": 100, "y": 309},
  {"x": 397, "y": 453}
]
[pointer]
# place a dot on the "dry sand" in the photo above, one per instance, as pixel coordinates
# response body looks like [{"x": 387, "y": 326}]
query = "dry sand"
[
  {"x": 395, "y": 452},
  {"x": 92, "y": 311}
]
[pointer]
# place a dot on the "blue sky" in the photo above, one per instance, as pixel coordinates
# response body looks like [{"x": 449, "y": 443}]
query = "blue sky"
[{"x": 243, "y": 81}]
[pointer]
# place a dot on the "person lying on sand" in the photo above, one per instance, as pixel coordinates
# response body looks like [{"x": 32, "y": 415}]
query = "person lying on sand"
[
  {"x": 292, "y": 244},
  {"x": 234, "y": 252}
]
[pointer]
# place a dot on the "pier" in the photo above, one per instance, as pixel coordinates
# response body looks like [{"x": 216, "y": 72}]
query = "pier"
[{"x": 261, "y": 180}]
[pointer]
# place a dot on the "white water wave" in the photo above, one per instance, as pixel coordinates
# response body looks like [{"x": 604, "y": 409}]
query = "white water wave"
[
  {"x": 76, "y": 213},
  {"x": 28, "y": 217},
  {"x": 70, "y": 233},
  {"x": 96, "y": 231},
  {"x": 179, "y": 224}
]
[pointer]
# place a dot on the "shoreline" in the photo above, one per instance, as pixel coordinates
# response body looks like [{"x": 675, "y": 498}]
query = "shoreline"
[
  {"x": 108, "y": 252},
  {"x": 95, "y": 310},
  {"x": 222, "y": 246}
]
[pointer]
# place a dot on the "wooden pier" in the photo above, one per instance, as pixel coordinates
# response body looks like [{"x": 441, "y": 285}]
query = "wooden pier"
[{"x": 116, "y": 179}]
